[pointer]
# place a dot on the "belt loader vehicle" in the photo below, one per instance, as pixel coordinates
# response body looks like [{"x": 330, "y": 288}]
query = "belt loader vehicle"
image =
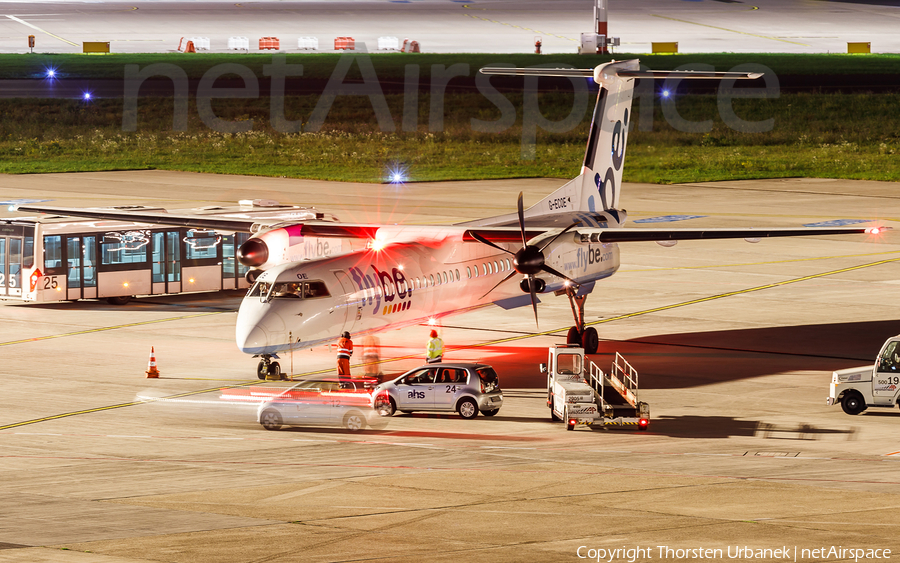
[
  {"x": 579, "y": 392},
  {"x": 878, "y": 385}
]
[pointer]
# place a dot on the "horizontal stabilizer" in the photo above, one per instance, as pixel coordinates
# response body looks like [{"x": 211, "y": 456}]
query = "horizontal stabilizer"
[
  {"x": 620, "y": 72},
  {"x": 565, "y": 72}
]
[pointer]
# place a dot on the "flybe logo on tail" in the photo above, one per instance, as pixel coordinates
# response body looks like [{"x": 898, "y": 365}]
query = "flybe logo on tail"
[
  {"x": 394, "y": 287},
  {"x": 606, "y": 185}
]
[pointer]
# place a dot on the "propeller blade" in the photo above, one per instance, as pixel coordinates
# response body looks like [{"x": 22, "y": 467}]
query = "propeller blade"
[
  {"x": 561, "y": 233},
  {"x": 550, "y": 270},
  {"x": 483, "y": 240},
  {"x": 522, "y": 220},
  {"x": 509, "y": 275},
  {"x": 533, "y": 296}
]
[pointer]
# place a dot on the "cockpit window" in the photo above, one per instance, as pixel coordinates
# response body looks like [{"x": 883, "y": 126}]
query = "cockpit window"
[
  {"x": 288, "y": 290},
  {"x": 315, "y": 289},
  {"x": 260, "y": 289}
]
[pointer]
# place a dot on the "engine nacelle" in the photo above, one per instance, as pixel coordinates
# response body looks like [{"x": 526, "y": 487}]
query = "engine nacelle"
[{"x": 539, "y": 285}]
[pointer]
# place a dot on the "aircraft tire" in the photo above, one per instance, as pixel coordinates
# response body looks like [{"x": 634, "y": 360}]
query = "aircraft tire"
[
  {"x": 572, "y": 337},
  {"x": 261, "y": 370},
  {"x": 590, "y": 341}
]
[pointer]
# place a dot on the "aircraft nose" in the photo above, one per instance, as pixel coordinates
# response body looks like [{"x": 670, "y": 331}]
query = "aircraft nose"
[{"x": 252, "y": 341}]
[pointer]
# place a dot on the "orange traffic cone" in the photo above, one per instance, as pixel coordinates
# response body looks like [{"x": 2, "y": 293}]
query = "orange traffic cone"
[{"x": 152, "y": 372}]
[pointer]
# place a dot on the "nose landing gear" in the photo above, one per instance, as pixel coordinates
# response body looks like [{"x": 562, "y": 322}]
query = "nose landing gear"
[
  {"x": 267, "y": 368},
  {"x": 586, "y": 337}
]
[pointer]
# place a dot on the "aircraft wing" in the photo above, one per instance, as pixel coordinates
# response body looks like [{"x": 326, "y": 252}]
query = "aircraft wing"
[
  {"x": 160, "y": 218},
  {"x": 639, "y": 235}
]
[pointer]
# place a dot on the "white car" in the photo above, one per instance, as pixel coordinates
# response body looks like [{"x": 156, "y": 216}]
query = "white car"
[
  {"x": 444, "y": 387},
  {"x": 321, "y": 402}
]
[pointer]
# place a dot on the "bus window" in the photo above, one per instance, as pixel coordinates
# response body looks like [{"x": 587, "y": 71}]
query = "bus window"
[
  {"x": 228, "y": 260},
  {"x": 2, "y": 265},
  {"x": 14, "y": 276},
  {"x": 158, "y": 265},
  {"x": 124, "y": 248},
  {"x": 89, "y": 261},
  {"x": 201, "y": 244},
  {"x": 53, "y": 255},
  {"x": 314, "y": 289},
  {"x": 239, "y": 239},
  {"x": 73, "y": 265},
  {"x": 28, "y": 253}
]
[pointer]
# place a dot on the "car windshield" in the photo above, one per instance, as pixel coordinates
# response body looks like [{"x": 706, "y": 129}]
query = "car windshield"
[
  {"x": 568, "y": 364},
  {"x": 890, "y": 359}
]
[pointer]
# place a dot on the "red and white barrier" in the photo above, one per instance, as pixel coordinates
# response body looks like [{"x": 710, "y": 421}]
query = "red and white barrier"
[
  {"x": 344, "y": 43},
  {"x": 269, "y": 43}
]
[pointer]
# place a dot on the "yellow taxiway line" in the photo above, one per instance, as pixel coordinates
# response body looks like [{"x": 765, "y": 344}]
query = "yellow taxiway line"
[{"x": 730, "y": 30}]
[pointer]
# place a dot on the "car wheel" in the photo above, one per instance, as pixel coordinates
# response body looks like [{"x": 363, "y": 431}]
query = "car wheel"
[
  {"x": 853, "y": 403},
  {"x": 406, "y": 412},
  {"x": 261, "y": 370},
  {"x": 270, "y": 419},
  {"x": 590, "y": 341},
  {"x": 385, "y": 407},
  {"x": 491, "y": 412},
  {"x": 354, "y": 421},
  {"x": 467, "y": 408}
]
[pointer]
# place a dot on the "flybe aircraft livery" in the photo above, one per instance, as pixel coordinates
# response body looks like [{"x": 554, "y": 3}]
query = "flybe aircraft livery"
[{"x": 375, "y": 277}]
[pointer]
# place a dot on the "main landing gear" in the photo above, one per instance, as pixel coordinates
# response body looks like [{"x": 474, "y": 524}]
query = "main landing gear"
[
  {"x": 267, "y": 368},
  {"x": 586, "y": 337}
]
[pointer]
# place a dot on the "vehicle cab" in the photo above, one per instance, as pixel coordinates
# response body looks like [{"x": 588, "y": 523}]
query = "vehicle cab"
[
  {"x": 857, "y": 389},
  {"x": 286, "y": 305}
]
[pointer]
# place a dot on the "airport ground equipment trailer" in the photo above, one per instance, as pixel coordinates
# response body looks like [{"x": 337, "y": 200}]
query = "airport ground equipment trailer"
[
  {"x": 878, "y": 385},
  {"x": 580, "y": 393}
]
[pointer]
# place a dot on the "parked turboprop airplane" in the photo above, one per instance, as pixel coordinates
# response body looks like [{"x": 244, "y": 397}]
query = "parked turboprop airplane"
[{"x": 401, "y": 275}]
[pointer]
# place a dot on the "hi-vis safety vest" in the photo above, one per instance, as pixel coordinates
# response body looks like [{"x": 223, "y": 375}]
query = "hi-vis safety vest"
[
  {"x": 345, "y": 348},
  {"x": 435, "y": 349}
]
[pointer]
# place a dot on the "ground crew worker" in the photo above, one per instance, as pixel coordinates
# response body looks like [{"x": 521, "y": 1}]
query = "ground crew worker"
[
  {"x": 434, "y": 352},
  {"x": 345, "y": 350}
]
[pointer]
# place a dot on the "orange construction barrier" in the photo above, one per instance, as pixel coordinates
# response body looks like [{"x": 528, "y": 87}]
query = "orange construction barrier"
[
  {"x": 152, "y": 372},
  {"x": 269, "y": 43},
  {"x": 189, "y": 48},
  {"x": 409, "y": 46},
  {"x": 345, "y": 43}
]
